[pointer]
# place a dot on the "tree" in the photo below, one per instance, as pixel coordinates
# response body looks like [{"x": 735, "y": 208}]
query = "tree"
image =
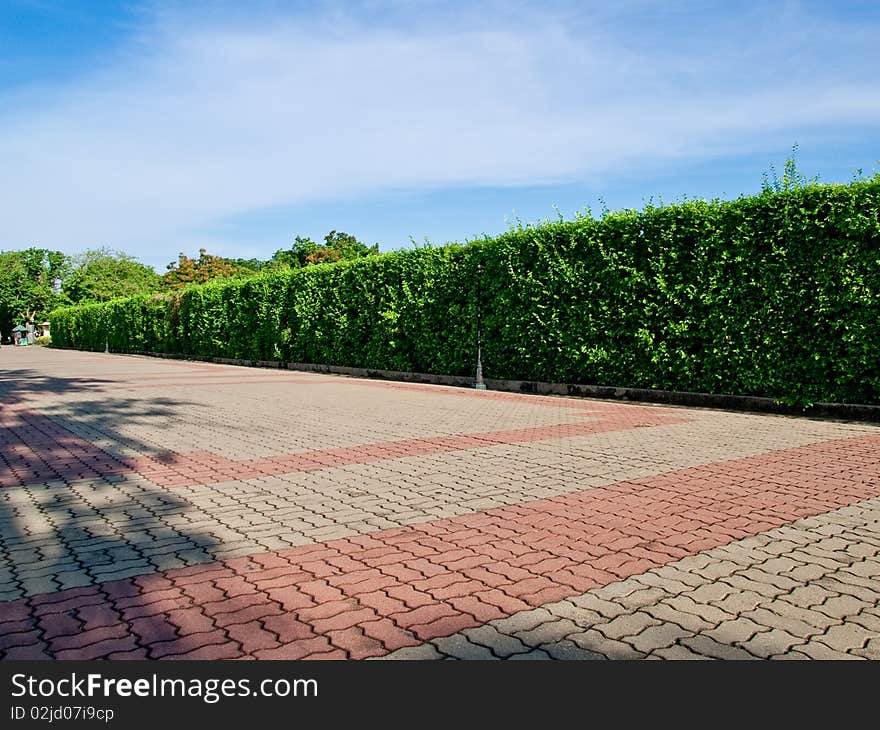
[
  {"x": 101, "y": 274},
  {"x": 30, "y": 286},
  {"x": 294, "y": 257},
  {"x": 337, "y": 246},
  {"x": 247, "y": 266},
  {"x": 207, "y": 266}
]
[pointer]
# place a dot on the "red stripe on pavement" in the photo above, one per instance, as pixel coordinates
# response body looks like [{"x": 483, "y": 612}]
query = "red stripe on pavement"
[
  {"x": 373, "y": 593},
  {"x": 191, "y": 469},
  {"x": 37, "y": 449}
]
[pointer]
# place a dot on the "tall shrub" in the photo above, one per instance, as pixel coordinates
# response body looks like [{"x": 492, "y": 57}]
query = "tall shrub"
[{"x": 776, "y": 294}]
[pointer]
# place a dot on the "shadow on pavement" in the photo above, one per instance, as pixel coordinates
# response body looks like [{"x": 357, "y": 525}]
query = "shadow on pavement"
[{"x": 75, "y": 516}]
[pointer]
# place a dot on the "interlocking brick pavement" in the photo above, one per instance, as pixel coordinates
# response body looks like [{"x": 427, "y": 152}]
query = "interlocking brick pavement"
[
  {"x": 680, "y": 611},
  {"x": 167, "y": 509}
]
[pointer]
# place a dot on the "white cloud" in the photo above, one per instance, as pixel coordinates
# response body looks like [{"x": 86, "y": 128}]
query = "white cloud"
[{"x": 195, "y": 124}]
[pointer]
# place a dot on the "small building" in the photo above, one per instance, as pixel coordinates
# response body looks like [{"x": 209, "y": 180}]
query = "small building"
[
  {"x": 43, "y": 329},
  {"x": 20, "y": 335}
]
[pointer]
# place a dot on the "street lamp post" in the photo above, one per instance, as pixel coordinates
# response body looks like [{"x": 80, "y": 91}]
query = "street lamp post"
[{"x": 478, "y": 380}]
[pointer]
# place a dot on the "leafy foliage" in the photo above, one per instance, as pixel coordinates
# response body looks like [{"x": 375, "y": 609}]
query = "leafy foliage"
[
  {"x": 29, "y": 286},
  {"x": 775, "y": 295},
  {"x": 792, "y": 177},
  {"x": 100, "y": 275},
  {"x": 337, "y": 246},
  {"x": 186, "y": 271}
]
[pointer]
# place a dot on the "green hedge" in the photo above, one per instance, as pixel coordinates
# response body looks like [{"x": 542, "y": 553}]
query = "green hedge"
[{"x": 775, "y": 295}]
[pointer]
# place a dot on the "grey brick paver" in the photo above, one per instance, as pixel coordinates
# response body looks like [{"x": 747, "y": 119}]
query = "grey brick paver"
[
  {"x": 846, "y": 637},
  {"x": 863, "y": 594},
  {"x": 459, "y": 647},
  {"x": 736, "y": 631},
  {"x": 770, "y": 643},
  {"x": 709, "y": 647},
  {"x": 786, "y": 621},
  {"x": 678, "y": 651},
  {"x": 534, "y": 654},
  {"x": 658, "y": 637},
  {"x": 502, "y": 645},
  {"x": 711, "y": 592},
  {"x": 524, "y": 621},
  {"x": 867, "y": 568},
  {"x": 627, "y": 626},
  {"x": 870, "y": 651},
  {"x": 739, "y": 602},
  {"x": 707, "y": 612},
  {"x": 583, "y": 617},
  {"x": 668, "y": 585},
  {"x": 593, "y": 641},
  {"x": 819, "y": 650},
  {"x": 605, "y": 608},
  {"x": 842, "y": 606},
  {"x": 421, "y": 652},
  {"x": 548, "y": 632},
  {"x": 42, "y": 584},
  {"x": 761, "y": 576},
  {"x": 666, "y": 613},
  {"x": 718, "y": 569},
  {"x": 867, "y": 618},
  {"x": 809, "y": 596},
  {"x": 569, "y": 651},
  {"x": 749, "y": 585},
  {"x": 642, "y": 597}
]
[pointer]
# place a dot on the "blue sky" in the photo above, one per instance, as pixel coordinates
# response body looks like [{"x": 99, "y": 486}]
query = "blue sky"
[{"x": 159, "y": 127}]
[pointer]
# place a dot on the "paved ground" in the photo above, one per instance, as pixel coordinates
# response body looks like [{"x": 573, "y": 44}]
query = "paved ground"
[{"x": 166, "y": 509}]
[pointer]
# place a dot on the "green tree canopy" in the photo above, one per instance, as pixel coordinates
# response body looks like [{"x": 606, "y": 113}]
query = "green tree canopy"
[
  {"x": 337, "y": 246},
  {"x": 207, "y": 266},
  {"x": 30, "y": 286},
  {"x": 101, "y": 274}
]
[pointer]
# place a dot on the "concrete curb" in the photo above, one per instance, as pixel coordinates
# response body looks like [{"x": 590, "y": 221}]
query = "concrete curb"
[
  {"x": 846, "y": 411},
  {"x": 843, "y": 411}
]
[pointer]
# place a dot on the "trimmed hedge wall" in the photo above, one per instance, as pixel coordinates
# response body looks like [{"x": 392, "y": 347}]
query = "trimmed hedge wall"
[{"x": 774, "y": 295}]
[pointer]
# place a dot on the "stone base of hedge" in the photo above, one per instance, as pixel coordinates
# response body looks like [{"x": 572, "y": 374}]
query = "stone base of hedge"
[{"x": 843, "y": 411}]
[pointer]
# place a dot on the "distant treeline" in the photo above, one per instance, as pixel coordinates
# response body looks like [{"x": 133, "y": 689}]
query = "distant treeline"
[{"x": 35, "y": 281}]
